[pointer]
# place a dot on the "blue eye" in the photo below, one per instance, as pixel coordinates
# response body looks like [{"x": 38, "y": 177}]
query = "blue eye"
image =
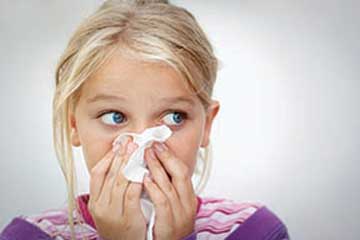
[
  {"x": 117, "y": 118},
  {"x": 113, "y": 118},
  {"x": 175, "y": 118}
]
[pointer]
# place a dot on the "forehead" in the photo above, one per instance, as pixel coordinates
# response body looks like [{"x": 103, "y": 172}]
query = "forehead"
[{"x": 130, "y": 77}]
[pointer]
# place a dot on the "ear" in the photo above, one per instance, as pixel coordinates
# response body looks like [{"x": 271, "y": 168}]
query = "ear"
[
  {"x": 74, "y": 134},
  {"x": 212, "y": 111}
]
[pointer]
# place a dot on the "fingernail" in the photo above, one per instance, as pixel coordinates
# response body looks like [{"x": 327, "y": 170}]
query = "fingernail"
[
  {"x": 122, "y": 149},
  {"x": 127, "y": 139},
  {"x": 151, "y": 154},
  {"x": 160, "y": 147},
  {"x": 131, "y": 147},
  {"x": 116, "y": 147}
]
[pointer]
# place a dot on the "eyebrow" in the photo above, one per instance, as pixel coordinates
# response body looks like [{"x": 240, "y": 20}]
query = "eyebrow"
[{"x": 106, "y": 97}]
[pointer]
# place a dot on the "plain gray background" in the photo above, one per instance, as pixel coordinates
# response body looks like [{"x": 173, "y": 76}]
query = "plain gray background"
[{"x": 287, "y": 131}]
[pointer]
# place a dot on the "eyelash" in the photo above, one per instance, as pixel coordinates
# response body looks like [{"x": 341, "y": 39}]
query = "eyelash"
[{"x": 183, "y": 114}]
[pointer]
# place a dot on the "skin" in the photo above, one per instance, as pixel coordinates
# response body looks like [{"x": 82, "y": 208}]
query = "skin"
[{"x": 140, "y": 90}]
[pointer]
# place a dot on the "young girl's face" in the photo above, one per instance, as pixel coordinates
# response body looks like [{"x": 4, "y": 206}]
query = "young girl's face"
[{"x": 129, "y": 96}]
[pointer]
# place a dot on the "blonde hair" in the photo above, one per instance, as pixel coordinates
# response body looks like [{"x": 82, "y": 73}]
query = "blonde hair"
[{"x": 150, "y": 30}]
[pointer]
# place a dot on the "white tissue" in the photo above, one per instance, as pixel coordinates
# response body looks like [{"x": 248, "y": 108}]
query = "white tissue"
[{"x": 136, "y": 167}]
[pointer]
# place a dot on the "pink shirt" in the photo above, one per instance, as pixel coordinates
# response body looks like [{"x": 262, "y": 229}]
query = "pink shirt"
[{"x": 216, "y": 218}]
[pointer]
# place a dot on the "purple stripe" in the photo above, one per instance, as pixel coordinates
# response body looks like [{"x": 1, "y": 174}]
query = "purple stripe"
[
  {"x": 279, "y": 232},
  {"x": 19, "y": 228},
  {"x": 262, "y": 225},
  {"x": 192, "y": 236}
]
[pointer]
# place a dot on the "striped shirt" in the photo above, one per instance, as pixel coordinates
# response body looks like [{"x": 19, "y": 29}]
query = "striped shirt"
[{"x": 216, "y": 218}]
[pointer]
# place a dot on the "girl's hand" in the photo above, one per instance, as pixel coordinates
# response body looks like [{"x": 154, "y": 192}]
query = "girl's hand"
[
  {"x": 175, "y": 200},
  {"x": 114, "y": 201}
]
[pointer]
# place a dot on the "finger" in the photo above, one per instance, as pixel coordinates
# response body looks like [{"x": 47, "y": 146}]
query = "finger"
[
  {"x": 118, "y": 193},
  {"x": 176, "y": 168},
  {"x": 162, "y": 206},
  {"x": 105, "y": 196},
  {"x": 121, "y": 184},
  {"x": 132, "y": 198},
  {"x": 162, "y": 180},
  {"x": 97, "y": 174},
  {"x": 179, "y": 172}
]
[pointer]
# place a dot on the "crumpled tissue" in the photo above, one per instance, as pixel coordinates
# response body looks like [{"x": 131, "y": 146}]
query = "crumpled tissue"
[{"x": 136, "y": 167}]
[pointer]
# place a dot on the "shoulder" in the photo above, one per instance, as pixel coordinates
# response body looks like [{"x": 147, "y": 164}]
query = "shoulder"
[
  {"x": 51, "y": 224},
  {"x": 20, "y": 228},
  {"x": 220, "y": 218}
]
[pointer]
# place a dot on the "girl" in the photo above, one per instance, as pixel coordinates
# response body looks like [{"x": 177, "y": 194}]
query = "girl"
[{"x": 133, "y": 65}]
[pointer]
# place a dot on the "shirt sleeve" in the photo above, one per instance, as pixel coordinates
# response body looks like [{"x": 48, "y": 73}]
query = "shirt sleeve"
[
  {"x": 19, "y": 229},
  {"x": 263, "y": 224}
]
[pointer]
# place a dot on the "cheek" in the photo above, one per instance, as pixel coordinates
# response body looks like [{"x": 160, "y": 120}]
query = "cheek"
[
  {"x": 95, "y": 145},
  {"x": 93, "y": 152},
  {"x": 185, "y": 145}
]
